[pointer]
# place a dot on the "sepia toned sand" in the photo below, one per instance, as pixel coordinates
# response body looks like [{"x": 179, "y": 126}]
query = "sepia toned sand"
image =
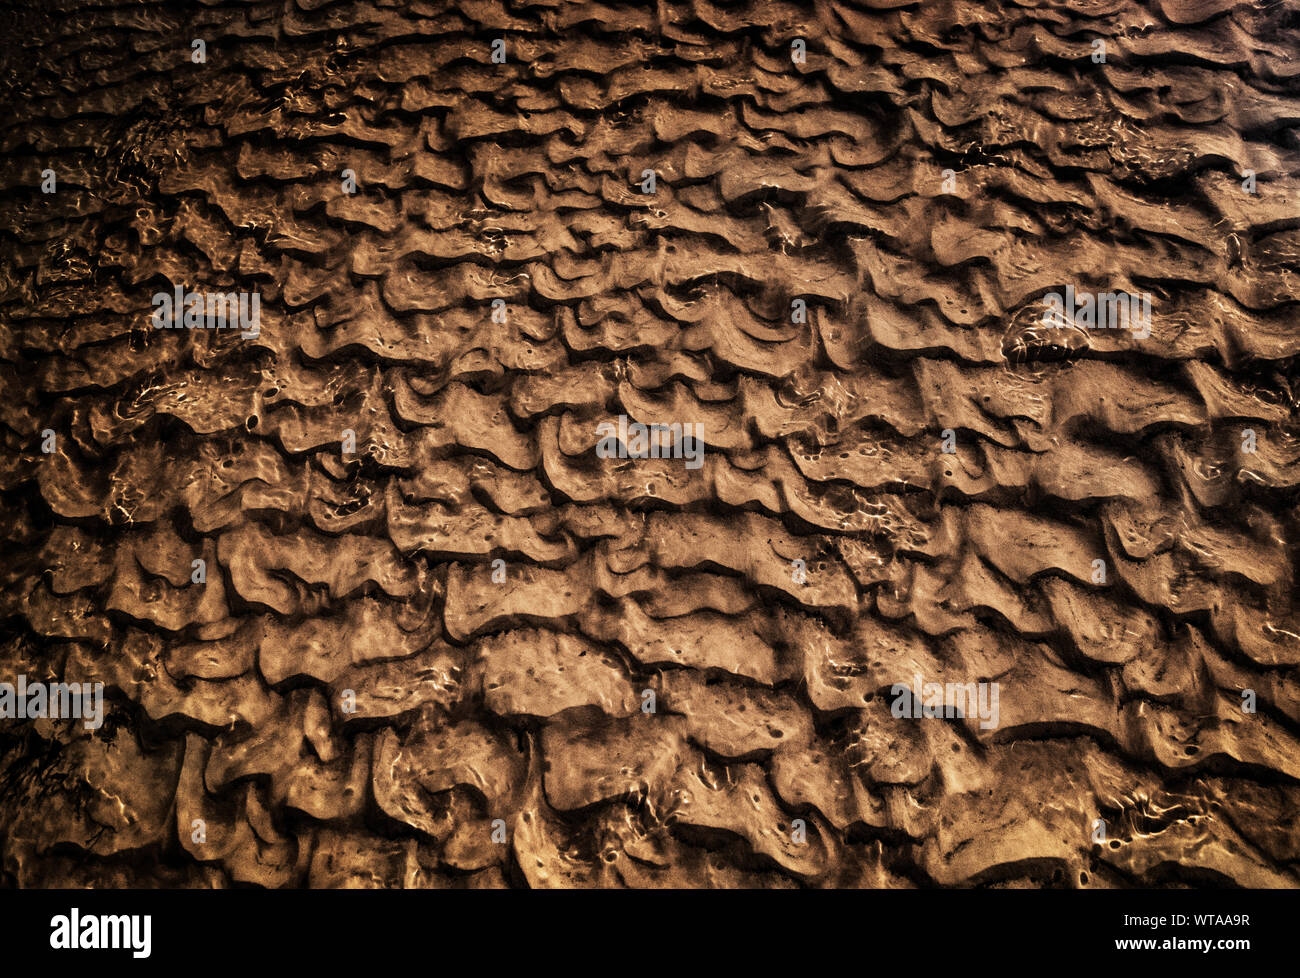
[{"x": 352, "y": 699}]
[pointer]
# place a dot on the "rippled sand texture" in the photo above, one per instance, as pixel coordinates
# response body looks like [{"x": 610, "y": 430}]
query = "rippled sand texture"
[{"x": 351, "y": 699}]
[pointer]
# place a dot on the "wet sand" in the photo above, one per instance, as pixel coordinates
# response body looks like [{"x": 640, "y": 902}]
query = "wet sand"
[{"x": 444, "y": 637}]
